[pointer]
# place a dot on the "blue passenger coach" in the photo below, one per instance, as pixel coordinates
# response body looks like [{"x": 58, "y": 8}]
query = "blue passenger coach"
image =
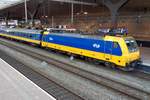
[{"x": 33, "y": 36}]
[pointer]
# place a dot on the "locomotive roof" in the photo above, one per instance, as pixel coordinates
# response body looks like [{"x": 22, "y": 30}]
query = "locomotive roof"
[
  {"x": 79, "y": 35},
  {"x": 23, "y": 30}
]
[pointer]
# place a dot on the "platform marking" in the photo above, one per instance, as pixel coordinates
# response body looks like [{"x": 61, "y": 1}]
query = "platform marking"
[
  {"x": 28, "y": 80},
  {"x": 146, "y": 64}
]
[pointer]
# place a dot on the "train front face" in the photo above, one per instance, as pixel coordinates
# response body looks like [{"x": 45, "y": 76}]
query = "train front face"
[{"x": 132, "y": 53}]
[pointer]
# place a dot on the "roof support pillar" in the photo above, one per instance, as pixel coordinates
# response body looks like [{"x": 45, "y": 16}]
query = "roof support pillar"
[
  {"x": 26, "y": 11},
  {"x": 114, "y": 7},
  {"x": 6, "y": 21},
  {"x": 32, "y": 15},
  {"x": 52, "y": 22},
  {"x": 6, "y": 18},
  {"x": 72, "y": 13},
  {"x": 114, "y": 18}
]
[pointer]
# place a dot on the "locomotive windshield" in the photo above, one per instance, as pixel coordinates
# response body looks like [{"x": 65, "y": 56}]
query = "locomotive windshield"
[{"x": 132, "y": 45}]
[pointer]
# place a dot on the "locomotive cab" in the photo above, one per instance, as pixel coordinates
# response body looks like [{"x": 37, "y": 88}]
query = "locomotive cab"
[
  {"x": 126, "y": 56},
  {"x": 133, "y": 53},
  {"x": 127, "y": 48}
]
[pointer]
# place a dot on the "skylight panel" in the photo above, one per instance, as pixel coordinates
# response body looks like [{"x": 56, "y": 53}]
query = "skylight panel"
[{"x": 8, "y": 3}]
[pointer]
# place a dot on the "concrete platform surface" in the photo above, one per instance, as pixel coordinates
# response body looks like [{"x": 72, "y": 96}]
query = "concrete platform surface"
[
  {"x": 15, "y": 86},
  {"x": 145, "y": 55}
]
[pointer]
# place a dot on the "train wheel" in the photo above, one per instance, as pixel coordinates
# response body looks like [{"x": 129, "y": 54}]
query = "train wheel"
[
  {"x": 127, "y": 69},
  {"x": 109, "y": 64}
]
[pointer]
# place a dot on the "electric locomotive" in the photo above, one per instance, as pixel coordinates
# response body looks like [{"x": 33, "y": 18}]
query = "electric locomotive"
[{"x": 114, "y": 50}]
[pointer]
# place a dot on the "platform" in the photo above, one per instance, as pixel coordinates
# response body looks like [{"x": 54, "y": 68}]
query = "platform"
[
  {"x": 15, "y": 86},
  {"x": 145, "y": 55}
]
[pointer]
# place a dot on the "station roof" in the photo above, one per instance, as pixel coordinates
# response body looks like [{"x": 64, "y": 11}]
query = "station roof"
[
  {"x": 8, "y": 3},
  {"x": 15, "y": 9}
]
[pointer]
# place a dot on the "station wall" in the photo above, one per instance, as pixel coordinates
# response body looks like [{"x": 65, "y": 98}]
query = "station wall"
[{"x": 135, "y": 24}]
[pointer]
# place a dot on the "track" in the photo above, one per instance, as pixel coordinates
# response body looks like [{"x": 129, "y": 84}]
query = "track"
[
  {"x": 141, "y": 75},
  {"x": 49, "y": 86},
  {"x": 128, "y": 90},
  {"x": 143, "y": 43}
]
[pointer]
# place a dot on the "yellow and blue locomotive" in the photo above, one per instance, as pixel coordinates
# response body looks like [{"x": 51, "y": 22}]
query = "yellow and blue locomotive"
[{"x": 120, "y": 51}]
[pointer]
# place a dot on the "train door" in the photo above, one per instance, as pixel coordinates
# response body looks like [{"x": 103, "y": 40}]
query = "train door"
[
  {"x": 44, "y": 39},
  {"x": 108, "y": 50}
]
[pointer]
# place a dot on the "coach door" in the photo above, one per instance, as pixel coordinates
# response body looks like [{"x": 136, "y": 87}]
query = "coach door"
[
  {"x": 44, "y": 39},
  {"x": 108, "y": 50}
]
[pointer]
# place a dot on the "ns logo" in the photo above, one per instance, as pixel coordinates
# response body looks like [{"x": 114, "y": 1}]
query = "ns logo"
[
  {"x": 96, "y": 45},
  {"x": 51, "y": 39}
]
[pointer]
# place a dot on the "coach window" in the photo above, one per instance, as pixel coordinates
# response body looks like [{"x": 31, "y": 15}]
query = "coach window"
[
  {"x": 19, "y": 34},
  {"x": 26, "y": 35},
  {"x": 115, "y": 45},
  {"x": 30, "y": 35},
  {"x": 23, "y": 34},
  {"x": 15, "y": 33},
  {"x": 12, "y": 33}
]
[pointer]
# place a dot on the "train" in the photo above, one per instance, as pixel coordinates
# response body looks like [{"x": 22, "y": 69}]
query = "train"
[{"x": 120, "y": 51}]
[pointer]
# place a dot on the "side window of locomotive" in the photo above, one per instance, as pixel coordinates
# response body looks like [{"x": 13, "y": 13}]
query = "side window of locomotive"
[{"x": 115, "y": 45}]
